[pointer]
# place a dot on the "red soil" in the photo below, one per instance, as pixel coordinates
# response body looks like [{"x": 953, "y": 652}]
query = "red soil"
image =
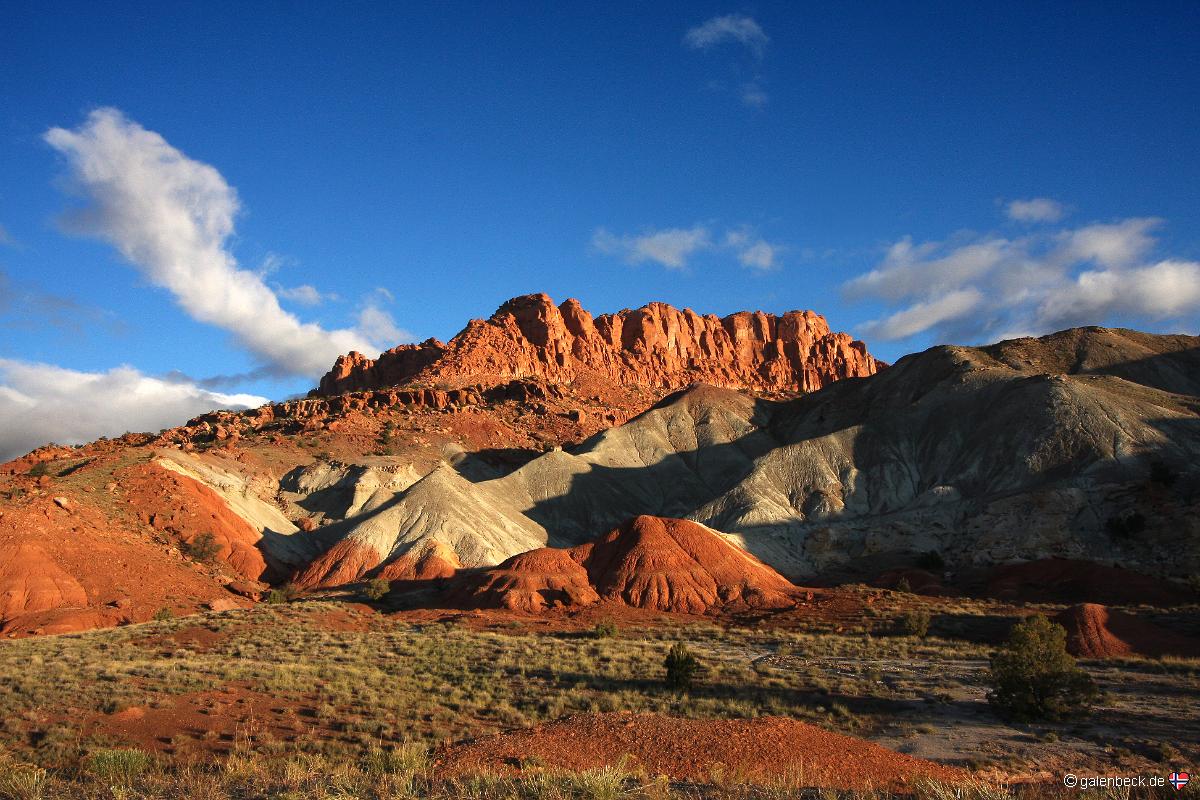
[
  {"x": 1062, "y": 580},
  {"x": 210, "y": 721},
  {"x": 88, "y": 562},
  {"x": 698, "y": 750},
  {"x": 1094, "y": 631}
]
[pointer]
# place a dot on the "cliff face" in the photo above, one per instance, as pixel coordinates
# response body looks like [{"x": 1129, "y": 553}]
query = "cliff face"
[{"x": 656, "y": 345}]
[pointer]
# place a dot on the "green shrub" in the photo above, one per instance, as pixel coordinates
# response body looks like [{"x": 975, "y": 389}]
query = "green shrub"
[
  {"x": 605, "y": 629},
  {"x": 203, "y": 548},
  {"x": 163, "y": 614},
  {"x": 903, "y": 585},
  {"x": 681, "y": 666},
  {"x": 915, "y": 622},
  {"x": 1034, "y": 677},
  {"x": 283, "y": 594},
  {"x": 39, "y": 469},
  {"x": 118, "y": 767},
  {"x": 377, "y": 588}
]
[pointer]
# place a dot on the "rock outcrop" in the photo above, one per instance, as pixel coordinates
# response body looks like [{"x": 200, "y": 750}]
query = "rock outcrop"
[{"x": 655, "y": 345}]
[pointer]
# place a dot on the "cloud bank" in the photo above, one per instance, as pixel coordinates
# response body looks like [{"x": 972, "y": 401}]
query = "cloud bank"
[
  {"x": 172, "y": 218},
  {"x": 994, "y": 287},
  {"x": 40, "y": 403},
  {"x": 673, "y": 247}
]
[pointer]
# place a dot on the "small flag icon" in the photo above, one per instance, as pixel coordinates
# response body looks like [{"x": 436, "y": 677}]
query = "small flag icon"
[{"x": 1179, "y": 780}]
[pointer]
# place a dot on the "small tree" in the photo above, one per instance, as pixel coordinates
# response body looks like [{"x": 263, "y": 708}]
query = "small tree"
[
  {"x": 681, "y": 666},
  {"x": 903, "y": 585},
  {"x": 377, "y": 588},
  {"x": 203, "y": 547},
  {"x": 1034, "y": 677},
  {"x": 915, "y": 622}
]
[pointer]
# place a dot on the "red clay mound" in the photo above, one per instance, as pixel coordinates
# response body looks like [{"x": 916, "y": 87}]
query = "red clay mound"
[
  {"x": 678, "y": 565},
  {"x": 345, "y": 562},
  {"x": 194, "y": 509},
  {"x": 763, "y": 749},
  {"x": 1063, "y": 580},
  {"x": 431, "y": 561},
  {"x": 649, "y": 562},
  {"x": 1094, "y": 631},
  {"x": 533, "y": 581}
]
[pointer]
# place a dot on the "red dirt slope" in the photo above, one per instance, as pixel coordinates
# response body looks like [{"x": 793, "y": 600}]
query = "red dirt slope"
[
  {"x": 1064, "y": 580},
  {"x": 1094, "y": 631},
  {"x": 649, "y": 562},
  {"x": 697, "y": 750}
]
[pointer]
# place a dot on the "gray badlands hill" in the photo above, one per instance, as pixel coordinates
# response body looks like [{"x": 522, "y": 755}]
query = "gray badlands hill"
[{"x": 1080, "y": 444}]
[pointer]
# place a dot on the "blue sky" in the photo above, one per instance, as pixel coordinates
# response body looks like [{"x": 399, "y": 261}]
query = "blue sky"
[{"x": 917, "y": 173}]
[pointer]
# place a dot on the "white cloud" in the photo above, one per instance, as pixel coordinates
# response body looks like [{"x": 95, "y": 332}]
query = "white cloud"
[
  {"x": 40, "y": 403},
  {"x": 924, "y": 315},
  {"x": 172, "y": 217},
  {"x": 670, "y": 247},
  {"x": 752, "y": 252},
  {"x": 729, "y": 28},
  {"x": 306, "y": 295},
  {"x": 982, "y": 288},
  {"x": 1116, "y": 245},
  {"x": 1037, "y": 209},
  {"x": 378, "y": 324}
]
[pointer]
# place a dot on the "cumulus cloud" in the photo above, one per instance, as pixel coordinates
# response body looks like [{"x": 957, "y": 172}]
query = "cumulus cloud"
[
  {"x": 670, "y": 247},
  {"x": 1037, "y": 209},
  {"x": 995, "y": 287},
  {"x": 41, "y": 403},
  {"x": 736, "y": 28},
  {"x": 172, "y": 217}
]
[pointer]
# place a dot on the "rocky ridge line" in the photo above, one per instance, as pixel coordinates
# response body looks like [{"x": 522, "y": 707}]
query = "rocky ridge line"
[{"x": 655, "y": 345}]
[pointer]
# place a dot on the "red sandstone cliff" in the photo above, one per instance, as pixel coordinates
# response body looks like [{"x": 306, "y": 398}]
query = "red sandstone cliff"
[{"x": 656, "y": 345}]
